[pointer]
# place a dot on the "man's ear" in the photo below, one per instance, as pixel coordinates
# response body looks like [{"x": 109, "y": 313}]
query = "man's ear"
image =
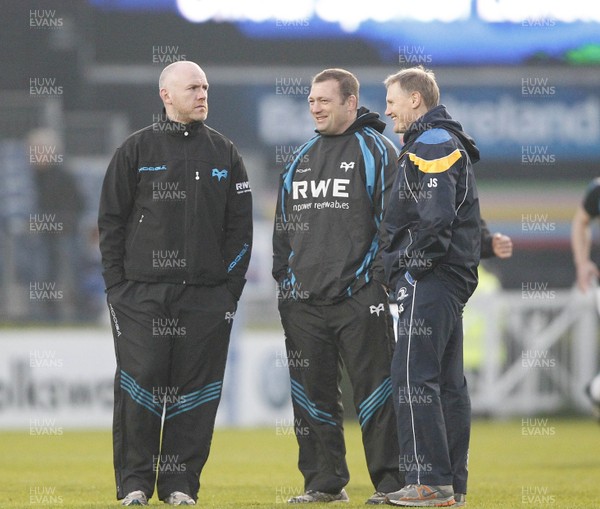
[
  {"x": 164, "y": 95},
  {"x": 416, "y": 100},
  {"x": 352, "y": 102}
]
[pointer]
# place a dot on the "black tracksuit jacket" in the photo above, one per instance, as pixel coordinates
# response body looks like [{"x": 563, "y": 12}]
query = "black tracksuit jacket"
[
  {"x": 331, "y": 200},
  {"x": 176, "y": 207}
]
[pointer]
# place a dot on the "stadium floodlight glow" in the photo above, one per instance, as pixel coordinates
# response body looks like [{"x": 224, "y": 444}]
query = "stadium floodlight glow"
[
  {"x": 570, "y": 12},
  {"x": 516, "y": 11},
  {"x": 333, "y": 11},
  {"x": 336, "y": 11},
  {"x": 382, "y": 11},
  {"x": 199, "y": 11},
  {"x": 293, "y": 10},
  {"x": 439, "y": 10}
]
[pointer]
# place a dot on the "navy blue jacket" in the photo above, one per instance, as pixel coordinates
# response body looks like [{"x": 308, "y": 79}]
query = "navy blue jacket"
[{"x": 433, "y": 220}]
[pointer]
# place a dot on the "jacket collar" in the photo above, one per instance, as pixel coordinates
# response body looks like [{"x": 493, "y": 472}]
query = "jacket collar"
[{"x": 165, "y": 124}]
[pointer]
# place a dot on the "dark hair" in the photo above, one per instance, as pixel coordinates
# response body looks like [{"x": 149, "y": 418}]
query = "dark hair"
[{"x": 347, "y": 81}]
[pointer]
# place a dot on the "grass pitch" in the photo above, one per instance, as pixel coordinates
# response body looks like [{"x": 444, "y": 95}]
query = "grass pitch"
[{"x": 529, "y": 463}]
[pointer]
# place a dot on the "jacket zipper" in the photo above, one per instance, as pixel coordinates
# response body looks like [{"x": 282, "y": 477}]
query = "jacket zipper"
[{"x": 137, "y": 229}]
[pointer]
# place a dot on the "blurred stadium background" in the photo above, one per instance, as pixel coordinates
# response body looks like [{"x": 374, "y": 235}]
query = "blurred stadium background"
[{"x": 79, "y": 76}]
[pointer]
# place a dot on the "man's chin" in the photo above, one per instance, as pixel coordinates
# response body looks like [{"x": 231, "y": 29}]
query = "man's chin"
[{"x": 200, "y": 117}]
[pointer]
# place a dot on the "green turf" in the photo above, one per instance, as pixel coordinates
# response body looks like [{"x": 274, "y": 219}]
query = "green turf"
[{"x": 551, "y": 464}]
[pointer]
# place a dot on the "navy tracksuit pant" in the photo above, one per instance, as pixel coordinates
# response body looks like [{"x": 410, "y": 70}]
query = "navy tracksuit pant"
[
  {"x": 431, "y": 399},
  {"x": 356, "y": 332},
  {"x": 171, "y": 345}
]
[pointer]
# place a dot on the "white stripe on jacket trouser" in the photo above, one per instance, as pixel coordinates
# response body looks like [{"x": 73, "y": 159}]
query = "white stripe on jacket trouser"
[{"x": 431, "y": 399}]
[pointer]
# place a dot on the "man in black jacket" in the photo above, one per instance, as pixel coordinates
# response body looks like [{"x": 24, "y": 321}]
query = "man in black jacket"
[
  {"x": 433, "y": 233},
  {"x": 175, "y": 226},
  {"x": 332, "y": 304}
]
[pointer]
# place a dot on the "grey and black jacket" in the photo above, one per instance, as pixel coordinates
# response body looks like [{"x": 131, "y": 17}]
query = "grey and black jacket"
[{"x": 330, "y": 205}]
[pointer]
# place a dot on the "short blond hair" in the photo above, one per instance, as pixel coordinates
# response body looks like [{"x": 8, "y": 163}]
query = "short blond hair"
[{"x": 417, "y": 79}]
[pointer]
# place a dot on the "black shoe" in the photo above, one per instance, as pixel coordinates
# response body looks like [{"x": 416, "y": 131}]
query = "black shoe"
[{"x": 318, "y": 496}]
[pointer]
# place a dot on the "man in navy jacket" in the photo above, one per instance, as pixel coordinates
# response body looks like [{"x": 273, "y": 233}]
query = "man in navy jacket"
[{"x": 432, "y": 232}]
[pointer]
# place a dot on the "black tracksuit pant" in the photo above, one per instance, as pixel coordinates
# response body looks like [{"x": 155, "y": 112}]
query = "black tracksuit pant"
[
  {"x": 430, "y": 391},
  {"x": 319, "y": 338},
  {"x": 171, "y": 345}
]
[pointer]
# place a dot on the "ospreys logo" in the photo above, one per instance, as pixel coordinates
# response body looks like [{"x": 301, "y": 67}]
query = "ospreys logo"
[
  {"x": 346, "y": 166},
  {"x": 377, "y": 309},
  {"x": 222, "y": 174}
]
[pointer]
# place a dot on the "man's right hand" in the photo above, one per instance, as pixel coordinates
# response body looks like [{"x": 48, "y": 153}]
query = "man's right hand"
[
  {"x": 586, "y": 272},
  {"x": 502, "y": 245}
]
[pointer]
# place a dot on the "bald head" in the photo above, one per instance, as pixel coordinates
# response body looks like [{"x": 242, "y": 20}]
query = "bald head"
[
  {"x": 172, "y": 71},
  {"x": 183, "y": 88}
]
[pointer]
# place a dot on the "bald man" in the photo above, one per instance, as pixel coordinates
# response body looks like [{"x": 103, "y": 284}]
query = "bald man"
[
  {"x": 175, "y": 225},
  {"x": 183, "y": 89}
]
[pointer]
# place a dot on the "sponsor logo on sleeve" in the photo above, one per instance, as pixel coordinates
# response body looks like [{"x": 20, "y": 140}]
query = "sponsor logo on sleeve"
[{"x": 243, "y": 187}]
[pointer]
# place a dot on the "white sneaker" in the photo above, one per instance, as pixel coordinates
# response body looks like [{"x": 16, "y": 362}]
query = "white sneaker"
[
  {"x": 179, "y": 498},
  {"x": 135, "y": 498}
]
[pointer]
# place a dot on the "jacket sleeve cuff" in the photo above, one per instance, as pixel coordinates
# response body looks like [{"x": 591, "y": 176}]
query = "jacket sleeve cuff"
[
  {"x": 415, "y": 274},
  {"x": 112, "y": 277},
  {"x": 378, "y": 274},
  {"x": 487, "y": 250},
  {"x": 236, "y": 286}
]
